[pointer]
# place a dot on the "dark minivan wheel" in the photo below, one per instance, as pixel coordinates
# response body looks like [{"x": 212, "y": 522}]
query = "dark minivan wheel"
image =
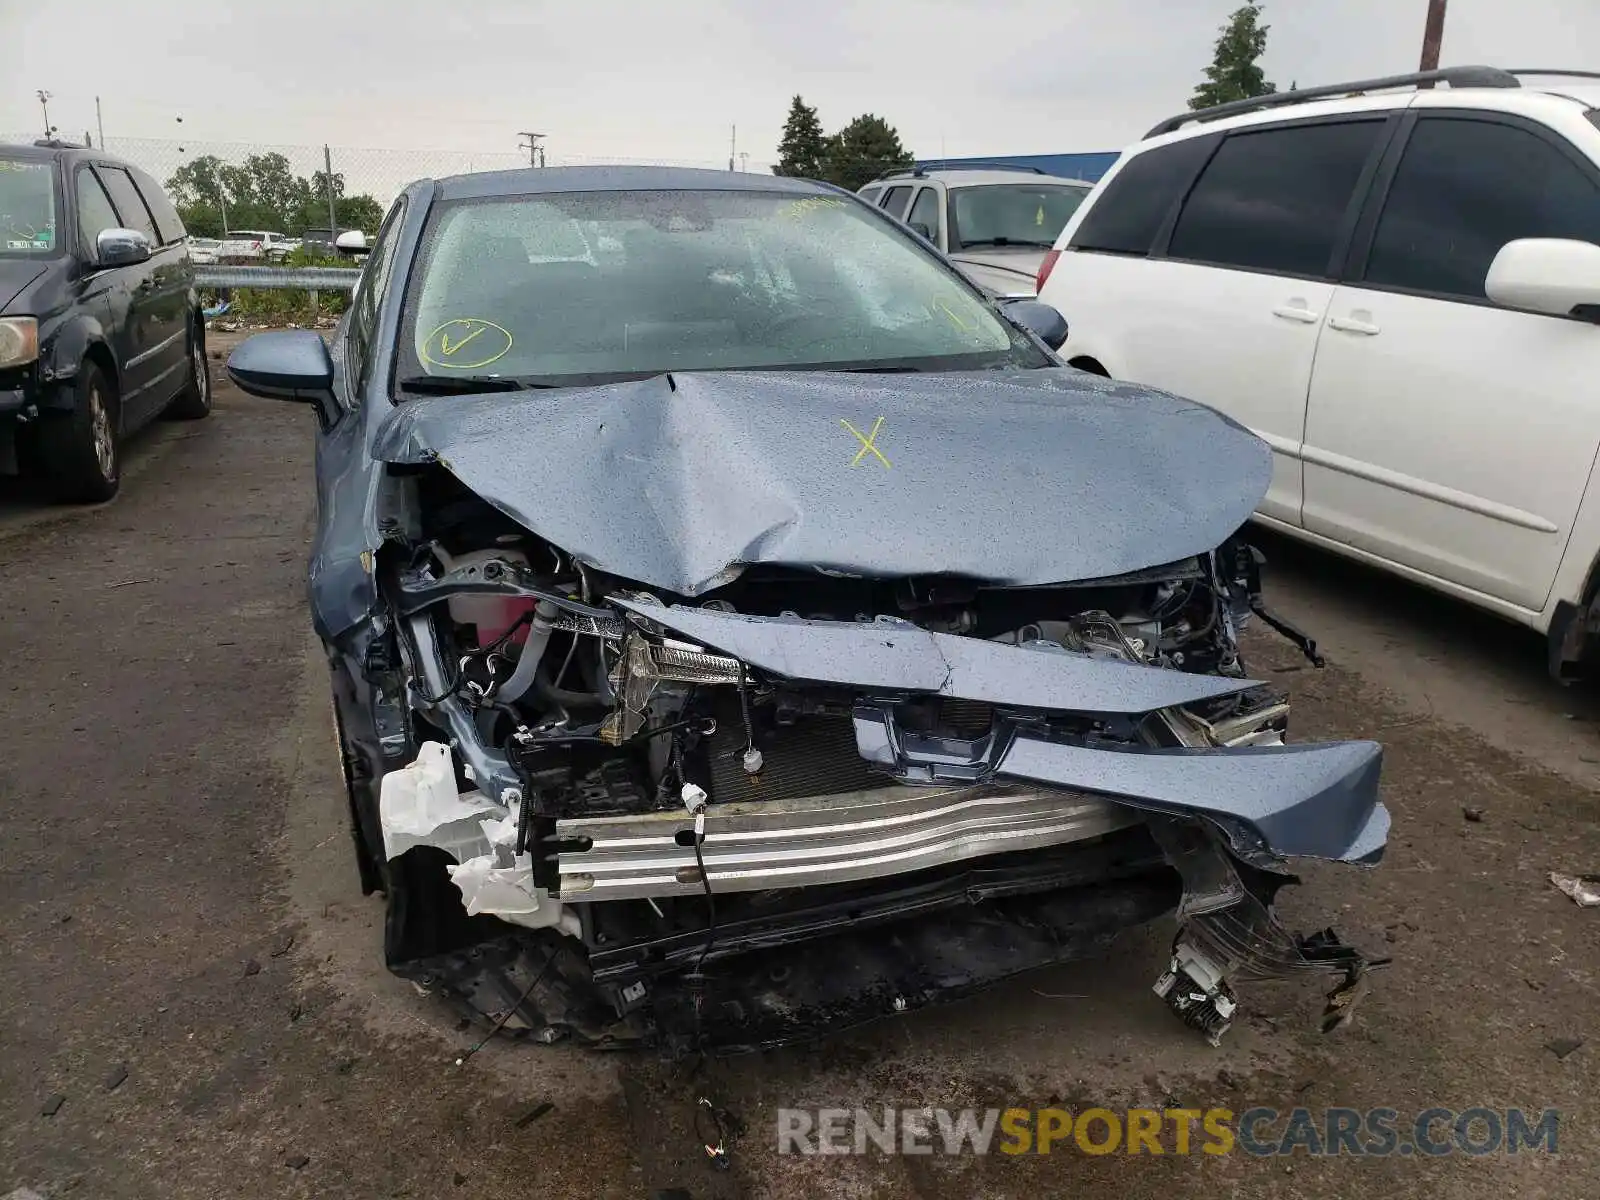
[
  {"x": 82, "y": 450},
  {"x": 194, "y": 401}
]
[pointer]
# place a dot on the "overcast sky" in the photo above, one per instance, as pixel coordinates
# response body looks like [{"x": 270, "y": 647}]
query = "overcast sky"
[{"x": 658, "y": 79}]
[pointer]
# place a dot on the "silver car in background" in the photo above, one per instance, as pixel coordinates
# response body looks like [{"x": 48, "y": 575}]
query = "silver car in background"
[{"x": 996, "y": 224}]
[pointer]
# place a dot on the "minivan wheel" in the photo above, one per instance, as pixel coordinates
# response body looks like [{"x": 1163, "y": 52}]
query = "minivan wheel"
[
  {"x": 82, "y": 450},
  {"x": 194, "y": 402}
]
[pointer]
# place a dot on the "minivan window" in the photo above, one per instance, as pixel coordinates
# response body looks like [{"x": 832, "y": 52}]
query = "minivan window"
[
  {"x": 27, "y": 208},
  {"x": 1464, "y": 189},
  {"x": 168, "y": 223},
  {"x": 1128, "y": 214},
  {"x": 95, "y": 214},
  {"x": 1275, "y": 200},
  {"x": 129, "y": 206}
]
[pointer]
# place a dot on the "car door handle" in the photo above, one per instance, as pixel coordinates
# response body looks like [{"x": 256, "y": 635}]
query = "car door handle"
[
  {"x": 1353, "y": 324},
  {"x": 1294, "y": 312}
]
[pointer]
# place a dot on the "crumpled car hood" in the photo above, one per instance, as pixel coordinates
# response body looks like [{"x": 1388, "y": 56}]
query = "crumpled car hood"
[{"x": 1014, "y": 478}]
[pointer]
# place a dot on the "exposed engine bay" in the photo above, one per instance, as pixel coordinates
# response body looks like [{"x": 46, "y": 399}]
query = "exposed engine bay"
[{"x": 606, "y": 811}]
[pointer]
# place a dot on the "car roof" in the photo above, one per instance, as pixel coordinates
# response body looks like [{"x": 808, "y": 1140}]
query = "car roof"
[
  {"x": 534, "y": 180},
  {"x": 63, "y": 151},
  {"x": 1555, "y": 97},
  {"x": 25, "y": 152}
]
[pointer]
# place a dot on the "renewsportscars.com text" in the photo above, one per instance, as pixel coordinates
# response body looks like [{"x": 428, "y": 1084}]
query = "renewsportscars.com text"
[{"x": 1374, "y": 1132}]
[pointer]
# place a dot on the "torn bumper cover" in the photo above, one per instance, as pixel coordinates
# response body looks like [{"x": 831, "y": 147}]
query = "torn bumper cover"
[
  {"x": 1318, "y": 800},
  {"x": 971, "y": 858}
]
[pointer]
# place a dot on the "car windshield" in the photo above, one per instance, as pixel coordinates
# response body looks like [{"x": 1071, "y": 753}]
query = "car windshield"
[
  {"x": 27, "y": 208},
  {"x": 584, "y": 287},
  {"x": 1022, "y": 214}
]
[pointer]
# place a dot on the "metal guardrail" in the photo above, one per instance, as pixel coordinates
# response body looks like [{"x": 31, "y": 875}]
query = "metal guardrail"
[{"x": 307, "y": 278}]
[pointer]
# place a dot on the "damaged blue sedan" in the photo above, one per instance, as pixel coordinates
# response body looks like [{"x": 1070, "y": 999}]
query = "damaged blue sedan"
[{"x": 741, "y": 627}]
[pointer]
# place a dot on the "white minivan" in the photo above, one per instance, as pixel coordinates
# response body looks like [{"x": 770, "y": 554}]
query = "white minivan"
[{"x": 1396, "y": 285}]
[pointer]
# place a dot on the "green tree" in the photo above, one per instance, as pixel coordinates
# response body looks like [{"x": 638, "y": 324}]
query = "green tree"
[
  {"x": 1235, "y": 73},
  {"x": 803, "y": 146},
  {"x": 863, "y": 150},
  {"x": 263, "y": 192},
  {"x": 197, "y": 182},
  {"x": 359, "y": 212}
]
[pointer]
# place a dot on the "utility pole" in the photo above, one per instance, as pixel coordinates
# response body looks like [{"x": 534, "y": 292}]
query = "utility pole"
[
  {"x": 44, "y": 104},
  {"x": 1432, "y": 35},
  {"x": 535, "y": 151},
  {"x": 99, "y": 126},
  {"x": 327, "y": 175},
  {"x": 733, "y": 143}
]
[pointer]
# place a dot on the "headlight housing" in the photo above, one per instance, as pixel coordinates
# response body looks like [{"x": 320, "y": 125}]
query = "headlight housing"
[{"x": 19, "y": 341}]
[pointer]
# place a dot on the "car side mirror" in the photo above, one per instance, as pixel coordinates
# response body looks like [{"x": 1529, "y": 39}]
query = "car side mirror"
[
  {"x": 921, "y": 230},
  {"x": 1038, "y": 318},
  {"x": 352, "y": 242},
  {"x": 120, "y": 248},
  {"x": 1559, "y": 276},
  {"x": 292, "y": 364}
]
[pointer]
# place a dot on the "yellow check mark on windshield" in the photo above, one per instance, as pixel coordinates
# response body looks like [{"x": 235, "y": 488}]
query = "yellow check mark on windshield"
[{"x": 447, "y": 348}]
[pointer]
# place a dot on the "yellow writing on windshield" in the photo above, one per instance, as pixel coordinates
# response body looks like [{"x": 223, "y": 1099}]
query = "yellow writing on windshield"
[
  {"x": 465, "y": 344},
  {"x": 951, "y": 315},
  {"x": 796, "y": 209}
]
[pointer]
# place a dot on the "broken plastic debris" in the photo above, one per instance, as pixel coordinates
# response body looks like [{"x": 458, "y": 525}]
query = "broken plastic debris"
[
  {"x": 1585, "y": 889},
  {"x": 419, "y": 805},
  {"x": 501, "y": 884}
]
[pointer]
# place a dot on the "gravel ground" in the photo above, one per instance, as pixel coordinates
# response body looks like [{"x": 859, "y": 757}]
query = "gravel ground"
[{"x": 180, "y": 907}]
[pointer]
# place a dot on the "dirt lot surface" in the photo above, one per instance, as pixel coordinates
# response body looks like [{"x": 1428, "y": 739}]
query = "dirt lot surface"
[{"x": 180, "y": 907}]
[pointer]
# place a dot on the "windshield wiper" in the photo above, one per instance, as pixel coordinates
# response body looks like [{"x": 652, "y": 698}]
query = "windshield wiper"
[
  {"x": 1005, "y": 241},
  {"x": 450, "y": 385},
  {"x": 886, "y": 370}
]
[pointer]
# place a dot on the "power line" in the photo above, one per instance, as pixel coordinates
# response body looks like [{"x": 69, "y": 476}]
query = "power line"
[{"x": 534, "y": 149}]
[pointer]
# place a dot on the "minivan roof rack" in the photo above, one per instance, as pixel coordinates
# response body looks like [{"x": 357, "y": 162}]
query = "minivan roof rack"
[
  {"x": 58, "y": 144},
  {"x": 1491, "y": 77},
  {"x": 920, "y": 171},
  {"x": 1521, "y": 71}
]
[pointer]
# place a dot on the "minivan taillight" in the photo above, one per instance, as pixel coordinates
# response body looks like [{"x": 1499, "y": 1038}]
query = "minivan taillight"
[{"x": 1045, "y": 268}]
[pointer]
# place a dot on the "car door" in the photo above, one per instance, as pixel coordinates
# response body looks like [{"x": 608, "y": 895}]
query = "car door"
[
  {"x": 1230, "y": 304},
  {"x": 174, "y": 281},
  {"x": 156, "y": 350},
  {"x": 1445, "y": 433},
  {"x": 115, "y": 289}
]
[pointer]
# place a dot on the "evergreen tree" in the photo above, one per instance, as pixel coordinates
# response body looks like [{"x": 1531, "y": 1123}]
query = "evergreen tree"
[
  {"x": 1234, "y": 73},
  {"x": 803, "y": 146},
  {"x": 863, "y": 150}
]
